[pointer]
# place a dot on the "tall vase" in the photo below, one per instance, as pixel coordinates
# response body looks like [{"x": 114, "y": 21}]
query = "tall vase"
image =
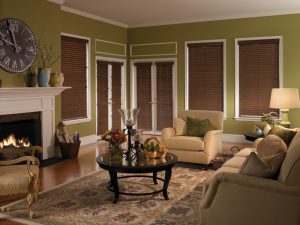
[
  {"x": 48, "y": 74},
  {"x": 42, "y": 78}
]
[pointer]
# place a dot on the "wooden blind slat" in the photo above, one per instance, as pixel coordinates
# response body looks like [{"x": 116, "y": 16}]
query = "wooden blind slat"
[
  {"x": 206, "y": 76},
  {"x": 258, "y": 74},
  {"x": 143, "y": 77},
  {"x": 73, "y": 66},
  {"x": 116, "y": 95},
  {"x": 102, "y": 96},
  {"x": 164, "y": 94}
]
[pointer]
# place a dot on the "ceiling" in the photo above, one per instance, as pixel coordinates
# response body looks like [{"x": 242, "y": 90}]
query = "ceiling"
[{"x": 138, "y": 13}]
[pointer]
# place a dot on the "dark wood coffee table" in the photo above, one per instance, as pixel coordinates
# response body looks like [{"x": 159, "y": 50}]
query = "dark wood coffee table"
[{"x": 116, "y": 163}]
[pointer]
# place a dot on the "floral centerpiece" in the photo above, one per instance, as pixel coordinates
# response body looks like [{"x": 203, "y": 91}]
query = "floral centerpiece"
[{"x": 114, "y": 137}]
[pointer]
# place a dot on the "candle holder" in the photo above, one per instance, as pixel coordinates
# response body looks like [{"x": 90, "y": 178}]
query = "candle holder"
[{"x": 129, "y": 118}]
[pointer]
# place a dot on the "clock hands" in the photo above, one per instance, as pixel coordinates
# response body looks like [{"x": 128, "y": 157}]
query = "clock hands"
[{"x": 11, "y": 28}]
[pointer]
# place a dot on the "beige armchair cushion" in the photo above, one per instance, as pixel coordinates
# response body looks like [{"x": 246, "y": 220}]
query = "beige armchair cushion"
[
  {"x": 180, "y": 126},
  {"x": 15, "y": 179},
  {"x": 185, "y": 142}
]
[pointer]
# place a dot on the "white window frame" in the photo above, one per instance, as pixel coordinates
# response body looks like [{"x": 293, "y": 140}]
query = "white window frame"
[
  {"x": 123, "y": 86},
  {"x": 237, "y": 80},
  {"x": 88, "y": 81},
  {"x": 187, "y": 72},
  {"x": 133, "y": 92}
]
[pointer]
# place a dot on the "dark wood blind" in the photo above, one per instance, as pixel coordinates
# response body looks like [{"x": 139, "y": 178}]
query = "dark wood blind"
[
  {"x": 258, "y": 74},
  {"x": 143, "y": 83},
  {"x": 102, "y": 96},
  {"x": 74, "y": 68},
  {"x": 205, "y": 75},
  {"x": 164, "y": 94},
  {"x": 116, "y": 95}
]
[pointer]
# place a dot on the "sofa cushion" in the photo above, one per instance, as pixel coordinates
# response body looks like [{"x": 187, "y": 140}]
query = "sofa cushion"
[
  {"x": 271, "y": 145},
  {"x": 235, "y": 162},
  {"x": 245, "y": 152},
  {"x": 284, "y": 133},
  {"x": 290, "y": 169},
  {"x": 185, "y": 142},
  {"x": 260, "y": 167},
  {"x": 195, "y": 127},
  {"x": 180, "y": 126}
]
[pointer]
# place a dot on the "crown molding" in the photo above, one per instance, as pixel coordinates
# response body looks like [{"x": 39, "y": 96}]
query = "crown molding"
[
  {"x": 92, "y": 16},
  {"x": 60, "y": 2}
]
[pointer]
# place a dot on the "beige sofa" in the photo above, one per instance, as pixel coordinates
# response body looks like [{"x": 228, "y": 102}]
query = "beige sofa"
[
  {"x": 196, "y": 149},
  {"x": 231, "y": 198}
]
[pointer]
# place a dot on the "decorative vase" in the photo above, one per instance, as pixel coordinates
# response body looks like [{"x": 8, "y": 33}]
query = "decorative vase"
[
  {"x": 48, "y": 74},
  {"x": 30, "y": 80},
  {"x": 42, "y": 78},
  {"x": 56, "y": 79}
]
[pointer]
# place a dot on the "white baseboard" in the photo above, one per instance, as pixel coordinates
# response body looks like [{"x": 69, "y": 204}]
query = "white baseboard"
[
  {"x": 236, "y": 138},
  {"x": 88, "y": 139}
]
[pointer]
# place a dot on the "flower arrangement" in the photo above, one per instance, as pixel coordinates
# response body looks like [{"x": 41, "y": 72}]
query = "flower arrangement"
[
  {"x": 116, "y": 136},
  {"x": 270, "y": 118}
]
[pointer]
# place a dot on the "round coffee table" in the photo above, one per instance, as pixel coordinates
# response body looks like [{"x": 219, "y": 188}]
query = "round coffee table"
[{"x": 115, "y": 163}]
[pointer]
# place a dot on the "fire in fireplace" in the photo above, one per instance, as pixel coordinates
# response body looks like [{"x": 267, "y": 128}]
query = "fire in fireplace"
[
  {"x": 11, "y": 141},
  {"x": 20, "y": 129}
]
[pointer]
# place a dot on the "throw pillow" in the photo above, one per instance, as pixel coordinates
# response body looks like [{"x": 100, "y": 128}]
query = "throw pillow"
[
  {"x": 180, "y": 126},
  {"x": 266, "y": 167},
  {"x": 195, "y": 127},
  {"x": 270, "y": 145},
  {"x": 284, "y": 133}
]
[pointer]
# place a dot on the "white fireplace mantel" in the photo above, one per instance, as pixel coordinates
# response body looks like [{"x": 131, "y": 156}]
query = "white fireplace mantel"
[{"x": 34, "y": 99}]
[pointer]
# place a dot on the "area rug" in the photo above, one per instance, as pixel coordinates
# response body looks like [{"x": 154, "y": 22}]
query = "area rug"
[{"x": 87, "y": 201}]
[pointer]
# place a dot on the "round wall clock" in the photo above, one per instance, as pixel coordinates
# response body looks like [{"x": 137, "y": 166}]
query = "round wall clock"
[{"x": 17, "y": 45}]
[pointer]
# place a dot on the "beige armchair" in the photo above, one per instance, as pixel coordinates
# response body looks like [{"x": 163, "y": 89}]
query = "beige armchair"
[
  {"x": 231, "y": 198},
  {"x": 196, "y": 149},
  {"x": 16, "y": 178}
]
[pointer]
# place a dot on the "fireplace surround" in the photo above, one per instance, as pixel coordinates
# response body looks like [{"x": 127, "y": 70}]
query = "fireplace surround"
[{"x": 34, "y": 99}]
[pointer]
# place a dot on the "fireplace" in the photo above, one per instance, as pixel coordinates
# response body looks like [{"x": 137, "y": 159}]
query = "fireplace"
[
  {"x": 35, "y": 108},
  {"x": 22, "y": 125}
]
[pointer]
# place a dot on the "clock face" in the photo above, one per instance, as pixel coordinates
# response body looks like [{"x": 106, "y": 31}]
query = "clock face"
[{"x": 17, "y": 45}]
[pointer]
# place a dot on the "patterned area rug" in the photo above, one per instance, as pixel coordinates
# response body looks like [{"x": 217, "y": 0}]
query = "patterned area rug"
[{"x": 87, "y": 201}]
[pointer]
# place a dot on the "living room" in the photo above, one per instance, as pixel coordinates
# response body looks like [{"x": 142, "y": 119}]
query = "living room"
[{"x": 133, "y": 48}]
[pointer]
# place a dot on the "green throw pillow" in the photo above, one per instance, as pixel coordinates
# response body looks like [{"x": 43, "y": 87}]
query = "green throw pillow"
[
  {"x": 284, "y": 133},
  {"x": 195, "y": 127}
]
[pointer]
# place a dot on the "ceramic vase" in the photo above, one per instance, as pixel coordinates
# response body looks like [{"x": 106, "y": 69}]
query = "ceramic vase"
[
  {"x": 42, "y": 79},
  {"x": 48, "y": 74},
  {"x": 56, "y": 79}
]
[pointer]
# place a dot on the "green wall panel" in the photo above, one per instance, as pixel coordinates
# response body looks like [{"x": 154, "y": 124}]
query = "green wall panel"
[
  {"x": 153, "y": 49},
  {"x": 110, "y": 48}
]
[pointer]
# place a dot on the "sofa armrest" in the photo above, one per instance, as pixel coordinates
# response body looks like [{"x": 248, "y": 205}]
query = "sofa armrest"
[
  {"x": 213, "y": 143},
  {"x": 167, "y": 133},
  {"x": 256, "y": 142},
  {"x": 256, "y": 184}
]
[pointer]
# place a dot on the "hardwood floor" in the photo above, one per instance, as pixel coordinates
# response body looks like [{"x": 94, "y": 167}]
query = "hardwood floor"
[{"x": 70, "y": 169}]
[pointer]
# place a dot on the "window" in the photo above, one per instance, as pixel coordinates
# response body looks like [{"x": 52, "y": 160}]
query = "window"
[
  {"x": 205, "y": 76},
  {"x": 74, "y": 66},
  {"x": 257, "y": 72}
]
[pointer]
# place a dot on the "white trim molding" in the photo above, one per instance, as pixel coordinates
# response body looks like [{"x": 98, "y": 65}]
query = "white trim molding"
[
  {"x": 88, "y": 80},
  {"x": 153, "y": 44},
  {"x": 187, "y": 72},
  {"x": 59, "y": 2},
  {"x": 113, "y": 43},
  {"x": 86, "y": 140},
  {"x": 237, "y": 84}
]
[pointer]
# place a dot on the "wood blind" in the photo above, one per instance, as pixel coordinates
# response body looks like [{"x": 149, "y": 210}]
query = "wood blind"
[
  {"x": 74, "y": 67},
  {"x": 164, "y": 94},
  {"x": 258, "y": 74},
  {"x": 116, "y": 95},
  {"x": 102, "y": 96},
  {"x": 143, "y": 86},
  {"x": 205, "y": 76}
]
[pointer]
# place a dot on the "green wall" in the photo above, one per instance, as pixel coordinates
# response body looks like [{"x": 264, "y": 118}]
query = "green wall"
[
  {"x": 287, "y": 26},
  {"x": 48, "y": 21}
]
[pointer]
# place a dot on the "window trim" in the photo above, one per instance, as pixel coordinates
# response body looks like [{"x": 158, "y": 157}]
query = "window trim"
[
  {"x": 88, "y": 81},
  {"x": 237, "y": 97},
  {"x": 186, "y": 78},
  {"x": 133, "y": 92}
]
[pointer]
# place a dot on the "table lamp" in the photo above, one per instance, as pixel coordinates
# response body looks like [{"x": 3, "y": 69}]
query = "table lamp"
[{"x": 284, "y": 99}]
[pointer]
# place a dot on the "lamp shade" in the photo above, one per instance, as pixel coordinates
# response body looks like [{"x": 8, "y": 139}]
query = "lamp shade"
[{"x": 284, "y": 98}]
